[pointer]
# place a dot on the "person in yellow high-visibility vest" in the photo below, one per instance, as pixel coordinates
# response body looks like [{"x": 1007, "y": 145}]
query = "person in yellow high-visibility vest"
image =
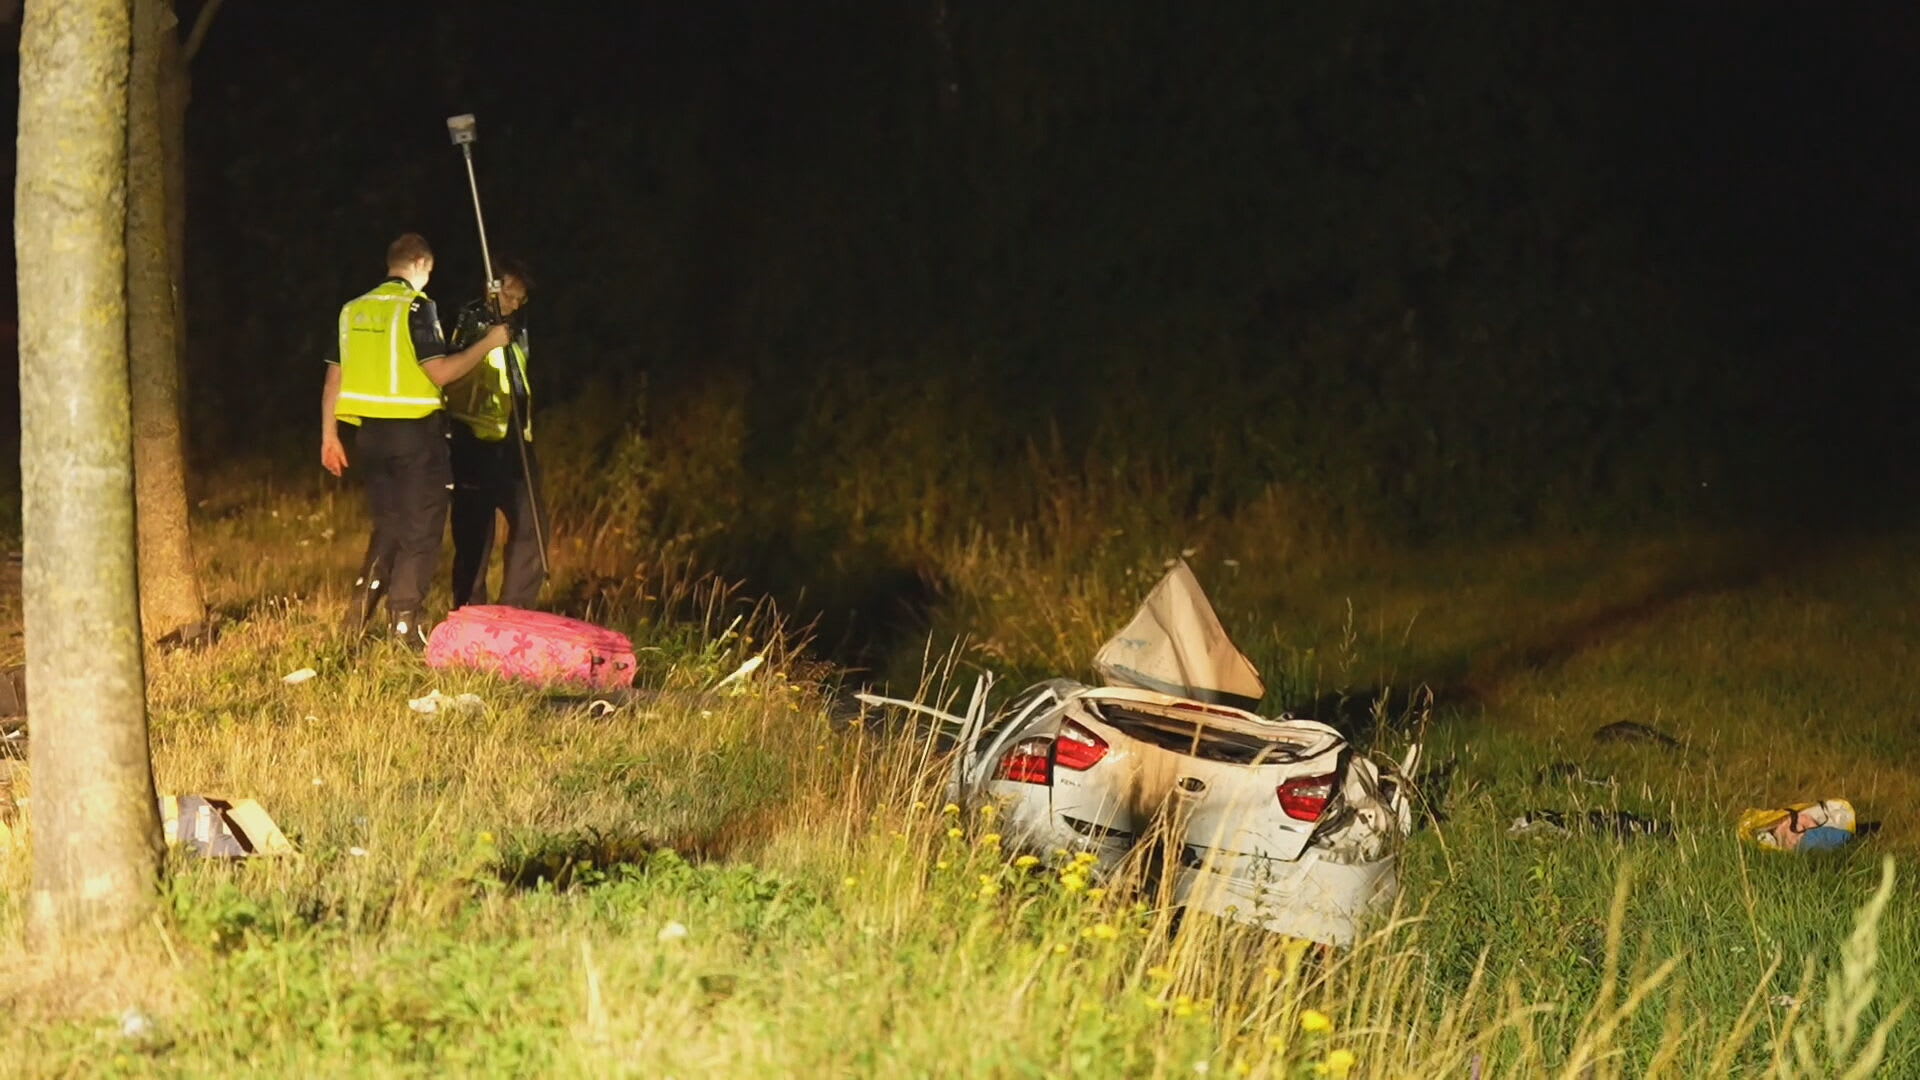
[
  {"x": 386, "y": 380},
  {"x": 495, "y": 471}
]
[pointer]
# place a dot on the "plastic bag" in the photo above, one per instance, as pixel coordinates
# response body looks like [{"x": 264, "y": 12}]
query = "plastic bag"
[{"x": 1808, "y": 826}]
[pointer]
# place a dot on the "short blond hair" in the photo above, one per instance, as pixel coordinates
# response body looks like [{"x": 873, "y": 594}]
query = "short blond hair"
[{"x": 407, "y": 249}]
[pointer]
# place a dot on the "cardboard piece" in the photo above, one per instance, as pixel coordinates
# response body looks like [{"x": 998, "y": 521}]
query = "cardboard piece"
[
  {"x": 13, "y": 691},
  {"x": 221, "y": 829}
]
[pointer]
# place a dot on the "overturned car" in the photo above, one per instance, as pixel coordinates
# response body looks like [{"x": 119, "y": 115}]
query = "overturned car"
[{"x": 1276, "y": 823}]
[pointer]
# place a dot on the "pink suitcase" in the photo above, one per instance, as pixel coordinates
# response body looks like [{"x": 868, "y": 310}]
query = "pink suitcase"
[{"x": 532, "y": 646}]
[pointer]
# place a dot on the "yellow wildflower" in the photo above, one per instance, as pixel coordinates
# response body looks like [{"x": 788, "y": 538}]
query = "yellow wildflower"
[
  {"x": 1272, "y": 973},
  {"x": 986, "y": 879},
  {"x": 950, "y": 809},
  {"x": 1095, "y": 894},
  {"x": 1085, "y": 858},
  {"x": 850, "y": 882},
  {"x": 1340, "y": 1063},
  {"x": 1313, "y": 1021},
  {"x": 954, "y": 833},
  {"x": 942, "y": 865},
  {"x": 991, "y": 839},
  {"x": 1160, "y": 971},
  {"x": 1073, "y": 882},
  {"x": 1025, "y": 861},
  {"x": 1183, "y": 1006},
  {"x": 987, "y": 813},
  {"x": 919, "y": 804},
  {"x": 1102, "y": 932},
  {"x": 989, "y": 889}
]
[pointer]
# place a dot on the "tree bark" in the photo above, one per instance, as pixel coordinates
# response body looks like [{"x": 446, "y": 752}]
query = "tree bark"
[
  {"x": 96, "y": 830},
  {"x": 170, "y": 600},
  {"x": 175, "y": 91}
]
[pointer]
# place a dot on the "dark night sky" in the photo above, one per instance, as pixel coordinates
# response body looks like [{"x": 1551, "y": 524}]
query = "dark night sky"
[{"x": 1684, "y": 222}]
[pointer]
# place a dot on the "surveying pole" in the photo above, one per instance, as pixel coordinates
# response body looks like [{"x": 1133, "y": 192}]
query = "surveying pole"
[{"x": 462, "y": 130}]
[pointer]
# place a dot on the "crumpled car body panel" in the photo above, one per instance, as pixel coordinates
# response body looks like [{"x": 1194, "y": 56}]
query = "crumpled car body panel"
[{"x": 1205, "y": 778}]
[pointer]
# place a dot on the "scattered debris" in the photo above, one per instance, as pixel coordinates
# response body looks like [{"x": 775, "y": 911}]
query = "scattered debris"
[
  {"x": 436, "y": 702},
  {"x": 1633, "y": 731},
  {"x": 601, "y": 707},
  {"x": 740, "y": 673},
  {"x": 135, "y": 1025},
  {"x": 1784, "y": 1001},
  {"x": 13, "y": 691},
  {"x": 295, "y": 678},
  {"x": 673, "y": 931},
  {"x": 1622, "y": 823},
  {"x": 357, "y": 852},
  {"x": 218, "y": 828},
  {"x": 1808, "y": 826}
]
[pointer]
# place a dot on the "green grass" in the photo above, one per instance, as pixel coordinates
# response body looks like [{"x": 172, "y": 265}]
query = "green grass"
[{"x": 521, "y": 862}]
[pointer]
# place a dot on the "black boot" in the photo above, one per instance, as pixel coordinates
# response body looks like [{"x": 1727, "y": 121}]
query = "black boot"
[{"x": 408, "y": 631}]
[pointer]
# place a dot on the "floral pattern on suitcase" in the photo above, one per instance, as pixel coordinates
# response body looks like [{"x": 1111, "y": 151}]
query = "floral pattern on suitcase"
[{"x": 532, "y": 646}]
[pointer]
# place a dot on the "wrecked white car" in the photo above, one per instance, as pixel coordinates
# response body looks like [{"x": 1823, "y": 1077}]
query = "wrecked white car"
[{"x": 1276, "y": 823}]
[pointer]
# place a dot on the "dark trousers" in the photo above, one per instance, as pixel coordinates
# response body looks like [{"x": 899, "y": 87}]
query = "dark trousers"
[
  {"x": 487, "y": 481},
  {"x": 408, "y": 483}
]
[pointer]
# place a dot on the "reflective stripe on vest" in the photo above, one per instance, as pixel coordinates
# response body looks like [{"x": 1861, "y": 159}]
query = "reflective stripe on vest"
[
  {"x": 483, "y": 400},
  {"x": 380, "y": 375}
]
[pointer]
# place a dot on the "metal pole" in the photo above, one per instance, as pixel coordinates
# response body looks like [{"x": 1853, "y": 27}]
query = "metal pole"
[
  {"x": 473, "y": 185},
  {"x": 526, "y": 476}
]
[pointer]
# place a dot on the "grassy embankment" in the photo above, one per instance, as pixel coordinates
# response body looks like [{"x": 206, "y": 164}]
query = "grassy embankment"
[{"x": 501, "y": 891}]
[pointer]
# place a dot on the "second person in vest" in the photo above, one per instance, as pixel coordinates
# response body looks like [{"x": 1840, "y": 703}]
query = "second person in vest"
[
  {"x": 386, "y": 381},
  {"x": 494, "y": 467}
]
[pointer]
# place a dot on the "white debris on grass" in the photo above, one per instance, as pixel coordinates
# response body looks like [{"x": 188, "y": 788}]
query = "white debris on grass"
[
  {"x": 673, "y": 931},
  {"x": 435, "y": 702},
  {"x": 740, "y": 673},
  {"x": 135, "y": 1024},
  {"x": 295, "y": 678}
]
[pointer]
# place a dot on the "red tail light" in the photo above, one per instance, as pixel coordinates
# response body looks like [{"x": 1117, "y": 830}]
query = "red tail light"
[
  {"x": 1027, "y": 762},
  {"x": 1077, "y": 748},
  {"x": 1304, "y": 798}
]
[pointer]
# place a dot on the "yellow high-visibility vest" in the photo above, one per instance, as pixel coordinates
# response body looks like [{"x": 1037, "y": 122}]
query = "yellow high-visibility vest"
[
  {"x": 380, "y": 374},
  {"x": 483, "y": 398}
]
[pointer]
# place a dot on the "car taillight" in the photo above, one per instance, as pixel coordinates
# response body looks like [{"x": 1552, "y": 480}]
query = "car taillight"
[
  {"x": 1027, "y": 762},
  {"x": 1077, "y": 748},
  {"x": 1304, "y": 798}
]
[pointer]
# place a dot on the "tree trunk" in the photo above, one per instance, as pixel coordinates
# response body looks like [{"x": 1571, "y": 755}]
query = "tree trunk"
[
  {"x": 170, "y": 601},
  {"x": 96, "y": 830}
]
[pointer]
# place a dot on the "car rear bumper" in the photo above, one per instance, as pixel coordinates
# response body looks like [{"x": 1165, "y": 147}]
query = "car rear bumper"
[{"x": 1312, "y": 898}]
